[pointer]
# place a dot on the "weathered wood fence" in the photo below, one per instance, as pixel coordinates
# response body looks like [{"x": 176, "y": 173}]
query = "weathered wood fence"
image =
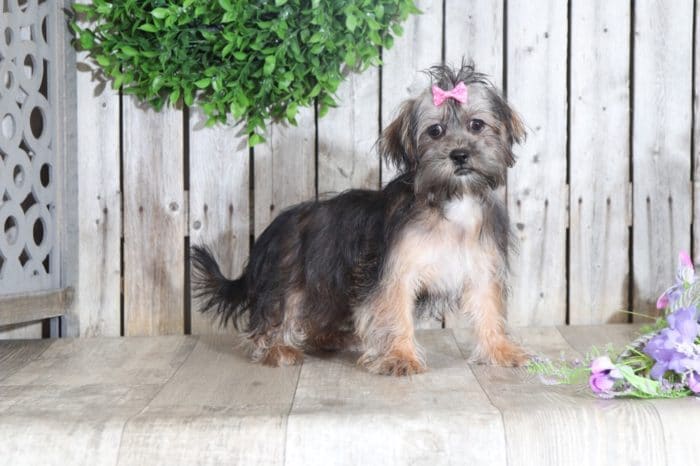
[{"x": 602, "y": 197}]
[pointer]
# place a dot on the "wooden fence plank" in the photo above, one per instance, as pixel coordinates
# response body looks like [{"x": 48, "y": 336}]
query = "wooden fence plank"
[
  {"x": 416, "y": 50},
  {"x": 346, "y": 136},
  {"x": 661, "y": 145},
  {"x": 599, "y": 157},
  {"x": 98, "y": 293},
  {"x": 474, "y": 31},
  {"x": 219, "y": 205},
  {"x": 154, "y": 221},
  {"x": 537, "y": 197},
  {"x": 284, "y": 168}
]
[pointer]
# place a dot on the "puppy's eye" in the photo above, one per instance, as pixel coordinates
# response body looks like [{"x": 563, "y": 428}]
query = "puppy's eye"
[
  {"x": 476, "y": 125},
  {"x": 436, "y": 131}
]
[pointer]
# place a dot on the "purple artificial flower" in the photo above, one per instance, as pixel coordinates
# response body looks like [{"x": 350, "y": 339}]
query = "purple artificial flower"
[
  {"x": 684, "y": 276},
  {"x": 674, "y": 348},
  {"x": 693, "y": 381},
  {"x": 603, "y": 375}
]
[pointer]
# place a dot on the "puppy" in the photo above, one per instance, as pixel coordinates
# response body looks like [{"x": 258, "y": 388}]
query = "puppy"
[{"x": 359, "y": 267}]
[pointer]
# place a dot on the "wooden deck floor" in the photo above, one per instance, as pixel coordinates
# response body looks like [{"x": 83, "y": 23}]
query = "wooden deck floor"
[{"x": 196, "y": 400}]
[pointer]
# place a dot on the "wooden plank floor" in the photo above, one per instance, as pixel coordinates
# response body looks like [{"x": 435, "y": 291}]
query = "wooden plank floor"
[{"x": 197, "y": 400}]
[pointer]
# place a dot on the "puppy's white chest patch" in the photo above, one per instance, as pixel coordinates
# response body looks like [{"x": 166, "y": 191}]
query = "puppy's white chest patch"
[
  {"x": 448, "y": 254},
  {"x": 466, "y": 214}
]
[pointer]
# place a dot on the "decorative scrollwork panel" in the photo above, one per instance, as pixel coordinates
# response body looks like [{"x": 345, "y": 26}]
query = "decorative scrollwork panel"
[{"x": 28, "y": 240}]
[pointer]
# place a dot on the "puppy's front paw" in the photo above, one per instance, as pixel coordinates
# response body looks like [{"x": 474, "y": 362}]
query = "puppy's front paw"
[
  {"x": 504, "y": 354},
  {"x": 395, "y": 364}
]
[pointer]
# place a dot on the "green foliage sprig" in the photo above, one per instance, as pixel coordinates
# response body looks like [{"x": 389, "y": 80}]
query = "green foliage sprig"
[{"x": 255, "y": 60}]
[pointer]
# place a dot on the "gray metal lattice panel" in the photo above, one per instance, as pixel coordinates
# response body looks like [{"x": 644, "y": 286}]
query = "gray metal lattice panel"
[{"x": 28, "y": 227}]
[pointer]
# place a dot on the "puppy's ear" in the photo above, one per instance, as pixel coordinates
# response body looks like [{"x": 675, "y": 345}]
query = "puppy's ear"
[
  {"x": 514, "y": 127},
  {"x": 516, "y": 134},
  {"x": 396, "y": 144}
]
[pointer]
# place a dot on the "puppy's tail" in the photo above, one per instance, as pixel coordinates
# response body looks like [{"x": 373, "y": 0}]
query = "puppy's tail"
[{"x": 220, "y": 296}]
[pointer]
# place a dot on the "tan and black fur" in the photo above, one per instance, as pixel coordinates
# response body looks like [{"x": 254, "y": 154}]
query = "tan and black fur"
[{"x": 359, "y": 267}]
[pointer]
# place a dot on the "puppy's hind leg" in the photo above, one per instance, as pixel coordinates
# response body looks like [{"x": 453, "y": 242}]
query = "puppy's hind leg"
[
  {"x": 385, "y": 325},
  {"x": 282, "y": 345}
]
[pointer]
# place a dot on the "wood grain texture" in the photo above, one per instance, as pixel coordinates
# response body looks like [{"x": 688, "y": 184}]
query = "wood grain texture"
[
  {"x": 599, "y": 157},
  {"x": 661, "y": 145},
  {"x": 344, "y": 415},
  {"x": 537, "y": 195},
  {"x": 16, "y": 354},
  {"x": 111, "y": 361},
  {"x": 25, "y": 331},
  {"x": 154, "y": 221},
  {"x": 346, "y": 136},
  {"x": 75, "y": 399},
  {"x": 677, "y": 417},
  {"x": 66, "y": 137},
  {"x": 184, "y": 400},
  {"x": 571, "y": 425},
  {"x": 219, "y": 408},
  {"x": 27, "y": 307},
  {"x": 284, "y": 168},
  {"x": 219, "y": 214},
  {"x": 98, "y": 294},
  {"x": 416, "y": 50},
  {"x": 474, "y": 31}
]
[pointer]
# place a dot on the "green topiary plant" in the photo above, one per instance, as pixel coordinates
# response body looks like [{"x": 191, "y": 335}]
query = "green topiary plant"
[{"x": 256, "y": 60}]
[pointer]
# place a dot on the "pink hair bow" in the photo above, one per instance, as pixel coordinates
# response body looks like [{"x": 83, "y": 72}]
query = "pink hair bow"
[{"x": 459, "y": 93}]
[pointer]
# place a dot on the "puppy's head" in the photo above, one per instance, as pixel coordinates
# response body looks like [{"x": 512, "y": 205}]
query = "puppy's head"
[{"x": 454, "y": 143}]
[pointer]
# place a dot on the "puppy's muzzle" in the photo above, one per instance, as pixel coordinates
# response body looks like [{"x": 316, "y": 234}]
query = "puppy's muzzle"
[{"x": 460, "y": 157}]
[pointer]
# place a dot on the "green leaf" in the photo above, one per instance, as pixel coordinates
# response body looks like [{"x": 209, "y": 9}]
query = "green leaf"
[
  {"x": 157, "y": 83},
  {"x": 226, "y": 5},
  {"x": 81, "y": 8},
  {"x": 280, "y": 2},
  {"x": 291, "y": 111},
  {"x": 322, "y": 111},
  {"x": 148, "y": 27},
  {"x": 129, "y": 51},
  {"x": 160, "y": 13},
  {"x": 103, "y": 60},
  {"x": 379, "y": 11},
  {"x": 174, "y": 96},
  {"x": 189, "y": 97},
  {"x": 350, "y": 58},
  {"x": 388, "y": 42},
  {"x": 269, "y": 66},
  {"x": 203, "y": 83},
  {"x": 255, "y": 139},
  {"x": 643, "y": 384},
  {"x": 351, "y": 22},
  {"x": 87, "y": 40}
]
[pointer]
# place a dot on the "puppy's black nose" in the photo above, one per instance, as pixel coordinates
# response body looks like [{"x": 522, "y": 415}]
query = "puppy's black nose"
[{"x": 459, "y": 156}]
